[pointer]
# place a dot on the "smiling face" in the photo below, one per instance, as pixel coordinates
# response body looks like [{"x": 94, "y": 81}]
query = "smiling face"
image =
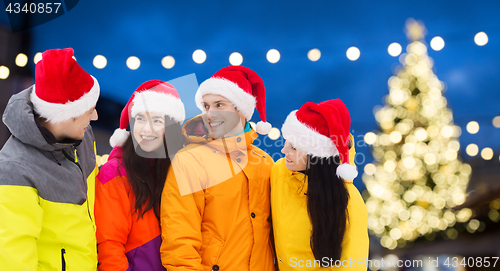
[
  {"x": 296, "y": 160},
  {"x": 149, "y": 130},
  {"x": 221, "y": 117}
]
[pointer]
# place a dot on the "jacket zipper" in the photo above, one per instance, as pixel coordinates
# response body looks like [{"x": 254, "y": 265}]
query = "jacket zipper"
[
  {"x": 63, "y": 251},
  {"x": 75, "y": 161}
]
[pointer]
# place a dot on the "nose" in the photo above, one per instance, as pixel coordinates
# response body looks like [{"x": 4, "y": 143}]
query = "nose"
[
  {"x": 147, "y": 127},
  {"x": 211, "y": 113},
  {"x": 283, "y": 151},
  {"x": 94, "y": 115}
]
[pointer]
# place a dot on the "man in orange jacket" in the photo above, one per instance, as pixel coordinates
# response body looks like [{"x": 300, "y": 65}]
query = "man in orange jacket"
[{"x": 215, "y": 211}]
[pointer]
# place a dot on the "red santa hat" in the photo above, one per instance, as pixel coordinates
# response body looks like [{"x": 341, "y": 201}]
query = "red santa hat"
[
  {"x": 62, "y": 89},
  {"x": 152, "y": 96},
  {"x": 322, "y": 130},
  {"x": 243, "y": 87}
]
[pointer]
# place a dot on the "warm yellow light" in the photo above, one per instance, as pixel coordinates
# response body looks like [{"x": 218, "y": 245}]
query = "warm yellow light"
[
  {"x": 472, "y": 149},
  {"x": 395, "y": 136},
  {"x": 437, "y": 43},
  {"x": 389, "y": 166},
  {"x": 235, "y": 59},
  {"x": 474, "y": 224},
  {"x": 353, "y": 53},
  {"x": 430, "y": 159},
  {"x": 447, "y": 131},
  {"x": 370, "y": 138},
  {"x": 481, "y": 38},
  {"x": 38, "y": 57},
  {"x": 496, "y": 121},
  {"x": 21, "y": 60},
  {"x": 168, "y": 62},
  {"x": 274, "y": 133},
  {"x": 420, "y": 134},
  {"x": 314, "y": 54},
  {"x": 4, "y": 72},
  {"x": 273, "y": 56},
  {"x": 473, "y": 127},
  {"x": 487, "y": 153},
  {"x": 133, "y": 63},
  {"x": 394, "y": 49},
  {"x": 100, "y": 61},
  {"x": 370, "y": 169},
  {"x": 396, "y": 233},
  {"x": 199, "y": 56}
]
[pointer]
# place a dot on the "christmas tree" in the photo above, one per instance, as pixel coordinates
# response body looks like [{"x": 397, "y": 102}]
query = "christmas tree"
[{"x": 416, "y": 178}]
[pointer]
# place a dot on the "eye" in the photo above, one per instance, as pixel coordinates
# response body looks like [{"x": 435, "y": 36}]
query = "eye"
[
  {"x": 140, "y": 119},
  {"x": 158, "y": 121},
  {"x": 206, "y": 106},
  {"x": 220, "y": 105},
  {"x": 293, "y": 148}
]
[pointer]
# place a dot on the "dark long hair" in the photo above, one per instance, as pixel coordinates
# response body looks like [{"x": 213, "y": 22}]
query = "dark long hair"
[
  {"x": 327, "y": 199},
  {"x": 146, "y": 175}
]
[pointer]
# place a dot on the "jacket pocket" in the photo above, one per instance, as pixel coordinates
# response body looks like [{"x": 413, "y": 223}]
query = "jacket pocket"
[
  {"x": 212, "y": 252},
  {"x": 63, "y": 261}
]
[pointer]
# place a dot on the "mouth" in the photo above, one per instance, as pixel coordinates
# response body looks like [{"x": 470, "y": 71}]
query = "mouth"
[
  {"x": 288, "y": 160},
  {"x": 216, "y": 124},
  {"x": 148, "y": 138}
]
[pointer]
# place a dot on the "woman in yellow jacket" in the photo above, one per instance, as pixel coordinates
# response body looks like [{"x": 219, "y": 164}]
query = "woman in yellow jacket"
[{"x": 319, "y": 217}]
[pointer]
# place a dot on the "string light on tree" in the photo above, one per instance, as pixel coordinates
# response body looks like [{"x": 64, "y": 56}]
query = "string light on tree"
[
  {"x": 417, "y": 177},
  {"x": 394, "y": 49},
  {"x": 4, "y": 72}
]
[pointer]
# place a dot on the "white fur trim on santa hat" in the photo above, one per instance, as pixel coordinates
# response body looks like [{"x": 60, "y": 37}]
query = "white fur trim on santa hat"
[
  {"x": 244, "y": 102},
  {"x": 56, "y": 113},
  {"x": 119, "y": 137},
  {"x": 306, "y": 138},
  {"x": 263, "y": 128},
  {"x": 347, "y": 172},
  {"x": 152, "y": 101}
]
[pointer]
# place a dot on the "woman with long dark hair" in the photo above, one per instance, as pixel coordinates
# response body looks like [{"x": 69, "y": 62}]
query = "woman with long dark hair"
[
  {"x": 319, "y": 217},
  {"x": 129, "y": 185}
]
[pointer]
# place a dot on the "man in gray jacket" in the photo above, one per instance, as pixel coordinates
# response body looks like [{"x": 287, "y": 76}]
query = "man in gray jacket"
[{"x": 47, "y": 170}]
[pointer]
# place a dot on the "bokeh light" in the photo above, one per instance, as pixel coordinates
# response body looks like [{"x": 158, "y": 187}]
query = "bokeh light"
[
  {"x": 273, "y": 56},
  {"x": 168, "y": 62},
  {"x": 100, "y": 61},
  {"x": 437, "y": 43},
  {"x": 353, "y": 53},
  {"x": 235, "y": 59},
  {"x": 133, "y": 63},
  {"x": 4, "y": 72},
  {"x": 314, "y": 55},
  {"x": 199, "y": 56},
  {"x": 394, "y": 49},
  {"x": 472, "y": 150},
  {"x": 21, "y": 60},
  {"x": 472, "y": 127},
  {"x": 481, "y": 39}
]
